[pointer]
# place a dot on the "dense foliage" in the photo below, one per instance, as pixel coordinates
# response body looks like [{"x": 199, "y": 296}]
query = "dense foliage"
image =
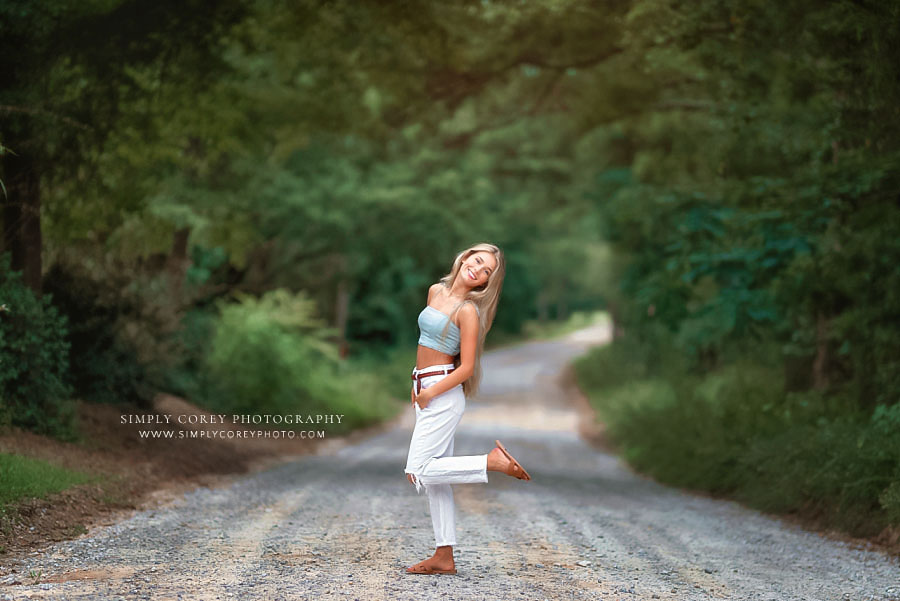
[
  {"x": 756, "y": 212},
  {"x": 34, "y": 392},
  {"x": 783, "y": 224},
  {"x": 271, "y": 356},
  {"x": 723, "y": 176},
  {"x": 736, "y": 431}
]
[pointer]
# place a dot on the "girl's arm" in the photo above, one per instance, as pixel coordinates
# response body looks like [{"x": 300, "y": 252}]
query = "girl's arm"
[{"x": 468, "y": 339}]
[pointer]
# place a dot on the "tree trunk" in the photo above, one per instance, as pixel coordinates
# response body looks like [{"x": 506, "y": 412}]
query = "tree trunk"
[
  {"x": 618, "y": 330},
  {"x": 341, "y": 311},
  {"x": 177, "y": 265},
  {"x": 820, "y": 364},
  {"x": 562, "y": 309},
  {"x": 542, "y": 306},
  {"x": 22, "y": 220},
  {"x": 256, "y": 275}
]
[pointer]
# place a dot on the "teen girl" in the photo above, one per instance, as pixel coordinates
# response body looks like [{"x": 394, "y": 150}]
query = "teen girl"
[{"x": 458, "y": 314}]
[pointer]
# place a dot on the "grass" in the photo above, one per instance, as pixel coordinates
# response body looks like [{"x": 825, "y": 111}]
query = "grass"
[{"x": 23, "y": 477}]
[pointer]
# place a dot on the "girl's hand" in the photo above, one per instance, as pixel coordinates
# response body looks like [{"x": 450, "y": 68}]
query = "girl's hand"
[{"x": 424, "y": 398}]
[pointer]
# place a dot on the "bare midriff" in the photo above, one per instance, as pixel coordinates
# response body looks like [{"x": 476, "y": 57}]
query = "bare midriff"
[{"x": 426, "y": 357}]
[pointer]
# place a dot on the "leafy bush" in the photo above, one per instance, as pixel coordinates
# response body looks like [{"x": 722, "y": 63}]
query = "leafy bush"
[
  {"x": 736, "y": 431},
  {"x": 392, "y": 365},
  {"x": 34, "y": 361},
  {"x": 272, "y": 356},
  {"x": 188, "y": 375},
  {"x": 104, "y": 367}
]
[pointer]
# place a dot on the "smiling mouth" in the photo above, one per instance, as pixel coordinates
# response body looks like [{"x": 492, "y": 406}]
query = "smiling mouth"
[{"x": 471, "y": 275}]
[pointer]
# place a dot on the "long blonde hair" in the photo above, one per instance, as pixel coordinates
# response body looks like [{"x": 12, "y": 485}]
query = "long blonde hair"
[{"x": 485, "y": 300}]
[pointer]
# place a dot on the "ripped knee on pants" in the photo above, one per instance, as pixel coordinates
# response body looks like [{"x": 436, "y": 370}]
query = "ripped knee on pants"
[{"x": 414, "y": 479}]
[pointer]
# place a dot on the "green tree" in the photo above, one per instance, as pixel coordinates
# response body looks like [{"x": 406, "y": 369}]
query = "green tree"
[{"x": 69, "y": 72}]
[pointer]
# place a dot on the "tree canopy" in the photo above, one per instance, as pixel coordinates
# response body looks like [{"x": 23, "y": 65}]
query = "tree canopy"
[{"x": 725, "y": 173}]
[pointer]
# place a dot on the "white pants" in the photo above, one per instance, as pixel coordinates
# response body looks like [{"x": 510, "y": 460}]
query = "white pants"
[{"x": 431, "y": 460}]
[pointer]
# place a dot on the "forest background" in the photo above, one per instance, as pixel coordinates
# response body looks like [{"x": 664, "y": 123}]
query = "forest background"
[{"x": 243, "y": 202}]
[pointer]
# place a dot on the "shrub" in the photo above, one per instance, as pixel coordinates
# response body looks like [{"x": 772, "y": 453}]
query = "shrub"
[
  {"x": 272, "y": 356},
  {"x": 736, "y": 431},
  {"x": 103, "y": 366},
  {"x": 188, "y": 376},
  {"x": 34, "y": 361}
]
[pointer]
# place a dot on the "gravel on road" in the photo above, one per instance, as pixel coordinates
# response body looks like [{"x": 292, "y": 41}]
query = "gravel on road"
[{"x": 344, "y": 524}]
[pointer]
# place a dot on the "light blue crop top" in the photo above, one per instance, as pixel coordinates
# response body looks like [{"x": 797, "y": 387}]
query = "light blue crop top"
[{"x": 431, "y": 325}]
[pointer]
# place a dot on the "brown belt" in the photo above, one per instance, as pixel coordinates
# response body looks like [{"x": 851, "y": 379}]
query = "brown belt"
[{"x": 417, "y": 378}]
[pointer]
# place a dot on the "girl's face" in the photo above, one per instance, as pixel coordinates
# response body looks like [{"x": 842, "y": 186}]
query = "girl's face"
[{"x": 476, "y": 269}]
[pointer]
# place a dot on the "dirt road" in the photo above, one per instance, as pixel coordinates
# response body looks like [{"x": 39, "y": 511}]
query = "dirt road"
[{"x": 344, "y": 524}]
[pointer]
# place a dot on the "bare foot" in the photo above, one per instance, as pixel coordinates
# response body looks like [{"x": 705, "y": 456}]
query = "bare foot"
[
  {"x": 441, "y": 561},
  {"x": 497, "y": 461}
]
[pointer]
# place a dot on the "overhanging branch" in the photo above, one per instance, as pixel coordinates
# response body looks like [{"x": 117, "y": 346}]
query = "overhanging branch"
[{"x": 38, "y": 111}]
